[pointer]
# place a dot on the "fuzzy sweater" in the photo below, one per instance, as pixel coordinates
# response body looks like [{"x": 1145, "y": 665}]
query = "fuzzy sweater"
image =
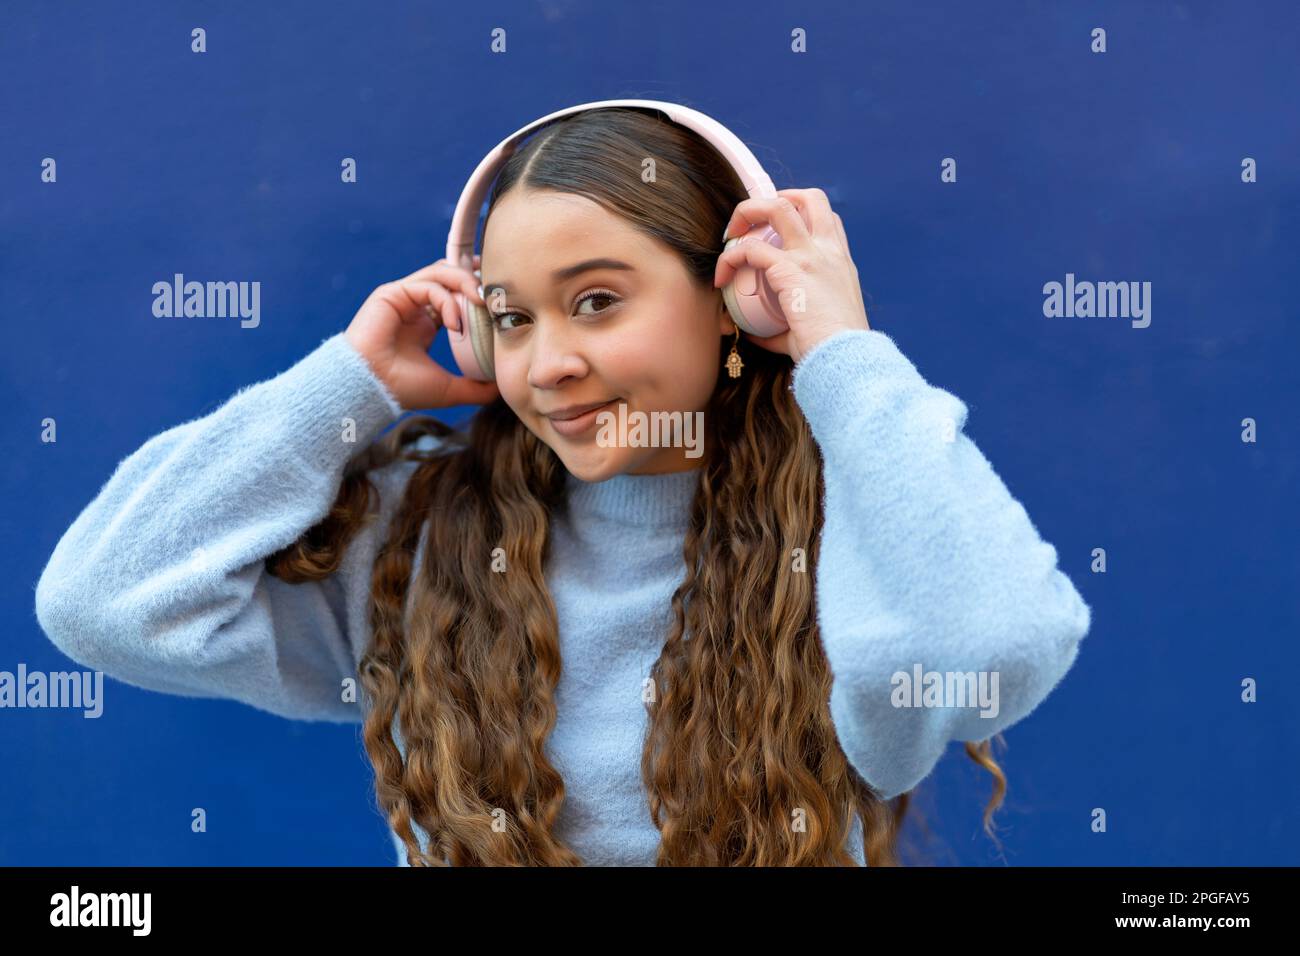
[{"x": 929, "y": 568}]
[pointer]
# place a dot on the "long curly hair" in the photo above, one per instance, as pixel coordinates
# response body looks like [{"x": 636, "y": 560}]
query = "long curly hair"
[{"x": 466, "y": 661}]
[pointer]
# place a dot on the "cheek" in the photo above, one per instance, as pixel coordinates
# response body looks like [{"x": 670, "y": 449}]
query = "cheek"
[
  {"x": 676, "y": 365},
  {"x": 512, "y": 382},
  {"x": 682, "y": 376},
  {"x": 690, "y": 349}
]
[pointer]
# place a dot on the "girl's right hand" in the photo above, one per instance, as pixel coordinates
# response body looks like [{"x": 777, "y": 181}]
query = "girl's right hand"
[{"x": 398, "y": 322}]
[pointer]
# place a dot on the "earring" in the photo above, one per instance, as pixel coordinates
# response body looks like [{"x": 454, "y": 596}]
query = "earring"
[{"x": 734, "y": 364}]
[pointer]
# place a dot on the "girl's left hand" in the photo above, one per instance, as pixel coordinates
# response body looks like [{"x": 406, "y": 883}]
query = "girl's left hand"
[{"x": 814, "y": 258}]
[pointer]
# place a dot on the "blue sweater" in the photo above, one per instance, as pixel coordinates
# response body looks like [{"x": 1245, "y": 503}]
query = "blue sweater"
[{"x": 928, "y": 564}]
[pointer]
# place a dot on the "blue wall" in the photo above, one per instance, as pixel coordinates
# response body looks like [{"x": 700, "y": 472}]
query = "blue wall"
[{"x": 1122, "y": 166}]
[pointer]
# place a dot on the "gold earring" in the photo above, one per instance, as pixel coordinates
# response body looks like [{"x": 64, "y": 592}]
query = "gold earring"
[{"x": 734, "y": 364}]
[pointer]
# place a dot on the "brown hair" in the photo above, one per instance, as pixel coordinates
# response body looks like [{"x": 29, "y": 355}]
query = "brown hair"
[{"x": 740, "y": 733}]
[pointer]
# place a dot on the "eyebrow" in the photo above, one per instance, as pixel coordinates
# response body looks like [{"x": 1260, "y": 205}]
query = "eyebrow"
[{"x": 568, "y": 272}]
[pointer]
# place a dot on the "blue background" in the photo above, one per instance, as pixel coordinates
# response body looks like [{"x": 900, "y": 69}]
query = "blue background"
[{"x": 1123, "y": 166}]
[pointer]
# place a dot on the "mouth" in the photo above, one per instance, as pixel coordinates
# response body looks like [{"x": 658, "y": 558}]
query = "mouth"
[{"x": 577, "y": 422}]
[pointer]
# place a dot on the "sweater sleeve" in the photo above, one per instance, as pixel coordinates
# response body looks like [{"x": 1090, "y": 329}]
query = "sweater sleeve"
[
  {"x": 927, "y": 565},
  {"x": 160, "y": 581}
]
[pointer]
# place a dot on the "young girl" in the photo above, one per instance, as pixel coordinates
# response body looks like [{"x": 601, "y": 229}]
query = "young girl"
[{"x": 581, "y": 651}]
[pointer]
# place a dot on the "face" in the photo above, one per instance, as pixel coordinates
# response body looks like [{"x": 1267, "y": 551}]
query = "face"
[{"x": 642, "y": 334}]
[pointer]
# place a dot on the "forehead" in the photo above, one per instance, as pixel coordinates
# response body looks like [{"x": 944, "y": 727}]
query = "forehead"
[{"x": 529, "y": 231}]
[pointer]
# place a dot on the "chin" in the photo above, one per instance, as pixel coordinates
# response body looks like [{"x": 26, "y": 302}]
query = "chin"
[{"x": 594, "y": 464}]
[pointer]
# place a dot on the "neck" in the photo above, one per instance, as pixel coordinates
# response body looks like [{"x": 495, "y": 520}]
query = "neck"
[{"x": 655, "y": 500}]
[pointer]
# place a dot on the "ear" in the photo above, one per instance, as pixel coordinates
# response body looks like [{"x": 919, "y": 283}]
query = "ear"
[{"x": 726, "y": 325}]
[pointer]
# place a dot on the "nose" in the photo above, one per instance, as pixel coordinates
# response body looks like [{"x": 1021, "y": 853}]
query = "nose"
[{"x": 554, "y": 353}]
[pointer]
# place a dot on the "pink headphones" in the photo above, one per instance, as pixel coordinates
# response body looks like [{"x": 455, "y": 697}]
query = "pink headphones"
[{"x": 749, "y": 299}]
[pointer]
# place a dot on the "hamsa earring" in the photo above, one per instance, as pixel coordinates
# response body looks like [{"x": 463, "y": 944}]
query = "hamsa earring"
[{"x": 734, "y": 364}]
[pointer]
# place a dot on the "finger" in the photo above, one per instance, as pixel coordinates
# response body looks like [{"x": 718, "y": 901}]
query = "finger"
[
  {"x": 425, "y": 272},
  {"x": 401, "y": 297},
  {"x": 434, "y": 311},
  {"x": 409, "y": 298},
  {"x": 427, "y": 328},
  {"x": 457, "y": 280},
  {"x": 745, "y": 252},
  {"x": 450, "y": 389},
  {"x": 436, "y": 387},
  {"x": 778, "y": 211},
  {"x": 815, "y": 207},
  {"x": 450, "y": 310},
  {"x": 844, "y": 241}
]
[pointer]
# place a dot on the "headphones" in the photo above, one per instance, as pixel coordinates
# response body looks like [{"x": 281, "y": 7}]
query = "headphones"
[{"x": 752, "y": 303}]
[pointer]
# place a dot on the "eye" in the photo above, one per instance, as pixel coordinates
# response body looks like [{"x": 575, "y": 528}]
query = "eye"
[
  {"x": 598, "y": 294},
  {"x": 497, "y": 319},
  {"x": 588, "y": 296}
]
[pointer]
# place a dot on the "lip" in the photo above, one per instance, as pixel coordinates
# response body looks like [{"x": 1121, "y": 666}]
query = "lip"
[
  {"x": 573, "y": 411},
  {"x": 578, "y": 423}
]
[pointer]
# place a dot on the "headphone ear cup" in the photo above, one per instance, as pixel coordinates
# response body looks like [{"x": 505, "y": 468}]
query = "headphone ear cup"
[
  {"x": 471, "y": 340},
  {"x": 752, "y": 303},
  {"x": 733, "y": 307},
  {"x": 480, "y": 336}
]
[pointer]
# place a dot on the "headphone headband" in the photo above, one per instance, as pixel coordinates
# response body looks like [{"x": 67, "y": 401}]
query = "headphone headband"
[{"x": 464, "y": 222}]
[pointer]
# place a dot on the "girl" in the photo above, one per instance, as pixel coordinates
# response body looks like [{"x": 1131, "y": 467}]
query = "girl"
[{"x": 574, "y": 650}]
